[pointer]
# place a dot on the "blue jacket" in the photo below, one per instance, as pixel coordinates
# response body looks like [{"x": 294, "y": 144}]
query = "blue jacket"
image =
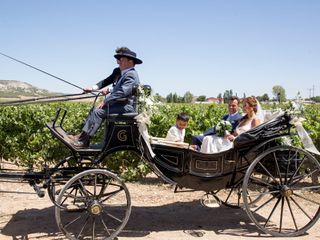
[
  {"x": 112, "y": 79},
  {"x": 123, "y": 89},
  {"x": 234, "y": 120}
]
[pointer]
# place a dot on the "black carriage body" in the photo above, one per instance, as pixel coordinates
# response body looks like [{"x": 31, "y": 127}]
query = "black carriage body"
[
  {"x": 121, "y": 134},
  {"x": 211, "y": 172},
  {"x": 198, "y": 171},
  {"x": 180, "y": 165}
]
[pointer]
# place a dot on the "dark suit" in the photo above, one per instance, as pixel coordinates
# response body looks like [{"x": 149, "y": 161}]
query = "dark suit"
[
  {"x": 123, "y": 87},
  {"x": 112, "y": 79},
  {"x": 234, "y": 120}
]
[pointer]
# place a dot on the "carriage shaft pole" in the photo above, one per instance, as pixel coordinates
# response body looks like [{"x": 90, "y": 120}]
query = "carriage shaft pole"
[{"x": 23, "y": 176}]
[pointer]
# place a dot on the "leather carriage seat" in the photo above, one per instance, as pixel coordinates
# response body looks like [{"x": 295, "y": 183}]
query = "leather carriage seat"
[{"x": 122, "y": 116}]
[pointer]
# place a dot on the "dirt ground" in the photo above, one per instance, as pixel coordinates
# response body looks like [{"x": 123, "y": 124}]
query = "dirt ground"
[{"x": 157, "y": 213}]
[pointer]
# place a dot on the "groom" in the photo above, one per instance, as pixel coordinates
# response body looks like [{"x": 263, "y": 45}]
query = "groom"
[{"x": 233, "y": 117}]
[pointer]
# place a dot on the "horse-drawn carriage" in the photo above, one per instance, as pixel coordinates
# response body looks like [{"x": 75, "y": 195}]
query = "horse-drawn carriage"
[{"x": 274, "y": 182}]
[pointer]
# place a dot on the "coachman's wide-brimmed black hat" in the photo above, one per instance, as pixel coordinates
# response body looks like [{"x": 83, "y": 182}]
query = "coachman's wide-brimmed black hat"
[{"x": 129, "y": 54}]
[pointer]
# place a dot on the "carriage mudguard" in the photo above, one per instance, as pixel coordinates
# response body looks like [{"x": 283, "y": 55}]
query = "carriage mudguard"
[{"x": 277, "y": 127}]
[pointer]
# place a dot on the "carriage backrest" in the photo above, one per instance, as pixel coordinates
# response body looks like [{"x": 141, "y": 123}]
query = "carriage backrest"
[
  {"x": 137, "y": 90},
  {"x": 121, "y": 129},
  {"x": 276, "y": 127}
]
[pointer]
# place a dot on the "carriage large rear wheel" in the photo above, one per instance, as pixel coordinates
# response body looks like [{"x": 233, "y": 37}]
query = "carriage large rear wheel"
[
  {"x": 98, "y": 209},
  {"x": 289, "y": 201}
]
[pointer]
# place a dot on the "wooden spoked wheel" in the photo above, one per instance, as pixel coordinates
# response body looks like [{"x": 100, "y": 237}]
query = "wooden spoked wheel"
[
  {"x": 232, "y": 196},
  {"x": 94, "y": 204},
  {"x": 289, "y": 198},
  {"x": 63, "y": 172}
]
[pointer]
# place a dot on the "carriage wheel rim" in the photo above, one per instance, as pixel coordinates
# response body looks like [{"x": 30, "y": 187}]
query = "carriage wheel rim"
[
  {"x": 93, "y": 208},
  {"x": 283, "y": 193}
]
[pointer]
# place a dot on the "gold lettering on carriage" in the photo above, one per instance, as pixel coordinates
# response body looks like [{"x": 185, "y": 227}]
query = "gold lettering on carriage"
[{"x": 122, "y": 135}]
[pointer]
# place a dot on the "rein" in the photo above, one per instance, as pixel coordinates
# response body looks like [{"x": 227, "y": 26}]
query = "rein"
[
  {"x": 66, "y": 97},
  {"x": 51, "y": 75},
  {"x": 49, "y": 99}
]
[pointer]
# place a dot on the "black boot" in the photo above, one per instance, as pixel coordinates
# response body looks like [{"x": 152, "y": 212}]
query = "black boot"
[{"x": 83, "y": 141}]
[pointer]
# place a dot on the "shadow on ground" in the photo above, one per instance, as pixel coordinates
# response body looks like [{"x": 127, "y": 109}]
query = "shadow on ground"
[{"x": 185, "y": 216}]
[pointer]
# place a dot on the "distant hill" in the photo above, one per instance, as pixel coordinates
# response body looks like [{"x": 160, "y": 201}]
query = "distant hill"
[{"x": 18, "y": 89}]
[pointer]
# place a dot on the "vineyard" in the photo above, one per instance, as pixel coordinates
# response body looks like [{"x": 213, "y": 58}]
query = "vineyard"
[{"x": 26, "y": 140}]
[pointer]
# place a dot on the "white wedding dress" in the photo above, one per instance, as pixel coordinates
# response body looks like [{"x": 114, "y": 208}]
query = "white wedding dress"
[{"x": 215, "y": 144}]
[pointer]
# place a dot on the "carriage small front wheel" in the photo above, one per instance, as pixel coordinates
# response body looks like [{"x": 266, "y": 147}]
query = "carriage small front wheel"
[
  {"x": 94, "y": 204},
  {"x": 289, "y": 201}
]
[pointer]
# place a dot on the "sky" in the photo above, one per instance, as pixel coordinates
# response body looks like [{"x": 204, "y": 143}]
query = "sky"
[{"x": 202, "y": 46}]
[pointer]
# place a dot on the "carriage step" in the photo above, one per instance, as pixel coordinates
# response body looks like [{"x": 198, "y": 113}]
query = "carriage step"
[{"x": 210, "y": 200}]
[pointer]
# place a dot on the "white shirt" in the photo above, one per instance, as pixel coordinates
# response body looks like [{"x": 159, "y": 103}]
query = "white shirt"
[{"x": 175, "y": 134}]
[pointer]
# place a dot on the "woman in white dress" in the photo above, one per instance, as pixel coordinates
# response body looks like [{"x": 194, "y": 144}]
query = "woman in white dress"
[{"x": 214, "y": 143}]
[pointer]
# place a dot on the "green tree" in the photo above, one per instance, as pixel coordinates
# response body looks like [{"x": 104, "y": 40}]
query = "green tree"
[
  {"x": 169, "y": 98},
  {"x": 279, "y": 93},
  {"x": 263, "y": 98},
  {"x": 175, "y": 98},
  {"x": 244, "y": 95},
  {"x": 227, "y": 94},
  {"x": 158, "y": 98},
  {"x": 187, "y": 98},
  {"x": 202, "y": 98},
  {"x": 316, "y": 99},
  {"x": 220, "y": 97}
]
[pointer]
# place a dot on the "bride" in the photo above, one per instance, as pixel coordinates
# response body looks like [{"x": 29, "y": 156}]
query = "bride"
[{"x": 214, "y": 143}]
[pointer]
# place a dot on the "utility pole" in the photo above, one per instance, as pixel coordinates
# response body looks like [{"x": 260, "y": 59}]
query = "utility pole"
[
  {"x": 309, "y": 89},
  {"x": 313, "y": 90}
]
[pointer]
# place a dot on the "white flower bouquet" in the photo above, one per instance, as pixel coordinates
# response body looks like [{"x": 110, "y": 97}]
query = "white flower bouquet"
[
  {"x": 146, "y": 101},
  {"x": 296, "y": 107},
  {"x": 223, "y": 127}
]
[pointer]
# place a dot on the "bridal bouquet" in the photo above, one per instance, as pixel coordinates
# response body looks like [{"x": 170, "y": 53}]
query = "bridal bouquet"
[{"x": 223, "y": 127}]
